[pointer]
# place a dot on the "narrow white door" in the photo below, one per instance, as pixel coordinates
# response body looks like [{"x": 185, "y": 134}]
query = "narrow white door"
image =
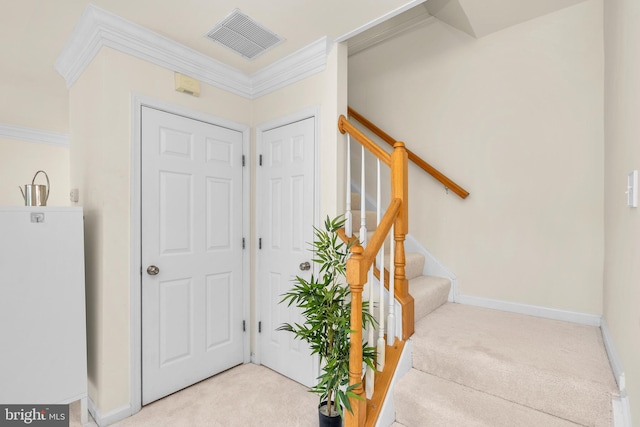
[
  {"x": 191, "y": 252},
  {"x": 286, "y": 186}
]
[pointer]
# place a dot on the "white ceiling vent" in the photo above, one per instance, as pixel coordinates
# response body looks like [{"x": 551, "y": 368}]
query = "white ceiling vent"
[{"x": 243, "y": 35}]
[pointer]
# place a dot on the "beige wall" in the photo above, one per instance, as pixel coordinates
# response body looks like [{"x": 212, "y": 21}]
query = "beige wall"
[
  {"x": 20, "y": 160},
  {"x": 100, "y": 127},
  {"x": 36, "y": 105},
  {"x": 33, "y": 104},
  {"x": 516, "y": 118},
  {"x": 622, "y": 155}
]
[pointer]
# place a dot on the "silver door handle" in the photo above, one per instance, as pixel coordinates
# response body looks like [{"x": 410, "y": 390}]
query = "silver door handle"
[
  {"x": 304, "y": 266},
  {"x": 152, "y": 270}
]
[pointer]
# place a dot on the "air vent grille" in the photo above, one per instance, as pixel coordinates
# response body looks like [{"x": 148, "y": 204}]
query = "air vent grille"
[{"x": 243, "y": 35}]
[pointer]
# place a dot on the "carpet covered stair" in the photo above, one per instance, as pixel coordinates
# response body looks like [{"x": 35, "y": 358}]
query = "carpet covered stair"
[
  {"x": 429, "y": 292},
  {"x": 479, "y": 367},
  {"x": 426, "y": 400}
]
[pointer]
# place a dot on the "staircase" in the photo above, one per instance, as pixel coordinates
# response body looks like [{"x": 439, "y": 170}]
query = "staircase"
[
  {"x": 473, "y": 366},
  {"x": 429, "y": 292},
  {"x": 479, "y": 367}
]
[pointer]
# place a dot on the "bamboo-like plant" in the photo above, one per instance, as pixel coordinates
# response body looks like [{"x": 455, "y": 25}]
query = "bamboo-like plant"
[{"x": 325, "y": 302}]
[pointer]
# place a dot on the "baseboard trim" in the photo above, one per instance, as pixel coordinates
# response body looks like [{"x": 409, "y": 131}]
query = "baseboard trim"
[
  {"x": 614, "y": 359},
  {"x": 531, "y": 310},
  {"x": 621, "y": 412},
  {"x": 111, "y": 417}
]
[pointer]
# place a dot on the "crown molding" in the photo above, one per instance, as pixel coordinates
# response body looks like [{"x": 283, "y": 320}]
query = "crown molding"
[
  {"x": 34, "y": 135},
  {"x": 387, "y": 17},
  {"x": 391, "y": 28},
  {"x": 98, "y": 28},
  {"x": 305, "y": 62}
]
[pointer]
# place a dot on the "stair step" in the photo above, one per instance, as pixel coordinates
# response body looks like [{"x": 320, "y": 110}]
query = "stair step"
[
  {"x": 414, "y": 264},
  {"x": 355, "y": 200},
  {"x": 556, "y": 367},
  {"x": 429, "y": 293},
  {"x": 425, "y": 400},
  {"x": 371, "y": 220}
]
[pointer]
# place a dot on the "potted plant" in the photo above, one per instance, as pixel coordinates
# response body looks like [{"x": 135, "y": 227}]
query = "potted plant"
[{"x": 325, "y": 302}]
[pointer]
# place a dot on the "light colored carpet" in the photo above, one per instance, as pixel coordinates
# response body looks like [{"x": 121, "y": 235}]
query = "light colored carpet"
[
  {"x": 245, "y": 396},
  {"x": 559, "y": 368},
  {"x": 425, "y": 400},
  {"x": 429, "y": 292},
  {"x": 414, "y": 263}
]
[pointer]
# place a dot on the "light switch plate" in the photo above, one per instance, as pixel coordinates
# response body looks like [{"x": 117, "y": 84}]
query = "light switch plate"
[{"x": 632, "y": 189}]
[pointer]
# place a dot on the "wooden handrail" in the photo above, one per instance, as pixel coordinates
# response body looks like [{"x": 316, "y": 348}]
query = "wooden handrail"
[
  {"x": 344, "y": 126},
  {"x": 442, "y": 178},
  {"x": 382, "y": 230}
]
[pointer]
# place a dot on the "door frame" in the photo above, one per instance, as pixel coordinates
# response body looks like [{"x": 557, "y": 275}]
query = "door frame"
[
  {"x": 313, "y": 112},
  {"x": 135, "y": 319}
]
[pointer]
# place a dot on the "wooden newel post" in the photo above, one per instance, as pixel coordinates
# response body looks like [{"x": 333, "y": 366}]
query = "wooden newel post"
[
  {"x": 400, "y": 190},
  {"x": 356, "y": 277}
]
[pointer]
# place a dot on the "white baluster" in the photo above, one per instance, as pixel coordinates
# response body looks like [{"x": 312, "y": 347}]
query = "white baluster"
[
  {"x": 370, "y": 373},
  {"x": 380, "y": 345},
  {"x": 363, "y": 212},
  {"x": 391, "y": 319},
  {"x": 348, "y": 216}
]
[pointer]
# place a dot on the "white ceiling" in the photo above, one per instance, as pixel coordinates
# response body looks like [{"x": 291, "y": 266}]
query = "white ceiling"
[
  {"x": 34, "y": 32},
  {"x": 480, "y": 18}
]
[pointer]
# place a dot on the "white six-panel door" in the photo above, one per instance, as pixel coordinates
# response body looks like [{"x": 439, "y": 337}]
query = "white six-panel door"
[
  {"x": 192, "y": 233},
  {"x": 286, "y": 197}
]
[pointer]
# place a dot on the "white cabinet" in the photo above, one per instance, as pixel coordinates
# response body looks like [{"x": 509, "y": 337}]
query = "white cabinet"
[{"x": 43, "y": 351}]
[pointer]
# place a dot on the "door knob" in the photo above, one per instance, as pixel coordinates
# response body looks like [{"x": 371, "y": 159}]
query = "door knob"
[
  {"x": 305, "y": 266},
  {"x": 152, "y": 270}
]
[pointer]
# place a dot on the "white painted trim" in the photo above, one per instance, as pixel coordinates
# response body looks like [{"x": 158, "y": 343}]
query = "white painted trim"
[
  {"x": 305, "y": 62},
  {"x": 379, "y": 20},
  {"x": 109, "y": 418},
  {"x": 135, "y": 281},
  {"x": 531, "y": 310},
  {"x": 614, "y": 359},
  {"x": 34, "y": 135},
  {"x": 392, "y": 28},
  {"x": 246, "y": 227},
  {"x": 137, "y": 102},
  {"x": 313, "y": 112},
  {"x": 98, "y": 28},
  {"x": 621, "y": 412}
]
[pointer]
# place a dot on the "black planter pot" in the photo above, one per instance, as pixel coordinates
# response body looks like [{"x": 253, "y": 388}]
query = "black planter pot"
[{"x": 327, "y": 421}]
